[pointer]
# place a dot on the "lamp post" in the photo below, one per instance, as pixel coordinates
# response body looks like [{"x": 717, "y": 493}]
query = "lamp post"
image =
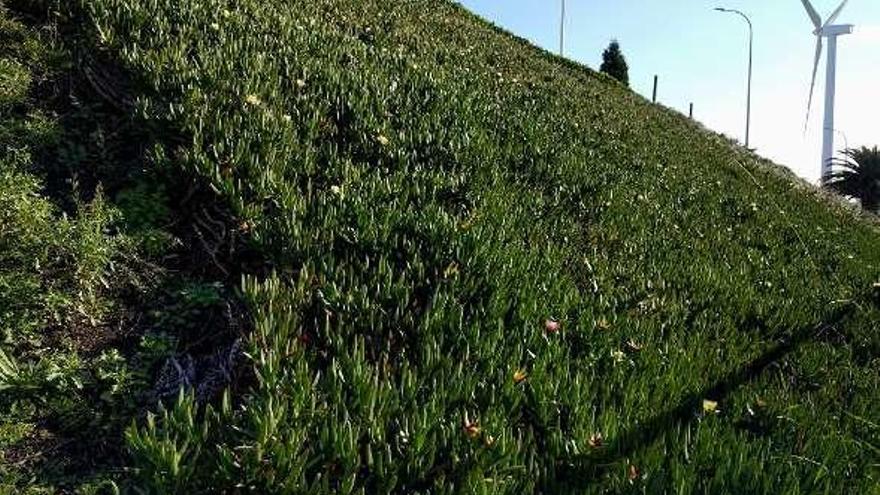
[
  {"x": 749, "y": 97},
  {"x": 562, "y": 31}
]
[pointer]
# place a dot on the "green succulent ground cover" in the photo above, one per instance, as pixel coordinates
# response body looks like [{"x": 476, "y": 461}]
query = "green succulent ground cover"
[{"x": 424, "y": 193}]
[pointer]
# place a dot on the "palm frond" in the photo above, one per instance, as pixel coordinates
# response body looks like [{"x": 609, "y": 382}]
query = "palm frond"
[{"x": 856, "y": 174}]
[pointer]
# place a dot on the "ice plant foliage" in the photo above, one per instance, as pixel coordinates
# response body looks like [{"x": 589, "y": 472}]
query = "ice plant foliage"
[{"x": 440, "y": 189}]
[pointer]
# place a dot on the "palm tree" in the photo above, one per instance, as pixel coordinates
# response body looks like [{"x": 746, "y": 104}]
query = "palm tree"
[{"x": 858, "y": 176}]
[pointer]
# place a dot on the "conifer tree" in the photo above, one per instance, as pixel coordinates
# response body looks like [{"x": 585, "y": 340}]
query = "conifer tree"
[{"x": 614, "y": 63}]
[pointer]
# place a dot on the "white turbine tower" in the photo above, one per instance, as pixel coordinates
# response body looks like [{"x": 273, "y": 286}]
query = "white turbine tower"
[{"x": 830, "y": 31}]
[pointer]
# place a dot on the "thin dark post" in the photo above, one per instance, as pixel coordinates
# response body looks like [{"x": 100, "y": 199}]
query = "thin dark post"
[
  {"x": 691, "y": 113},
  {"x": 654, "y": 98}
]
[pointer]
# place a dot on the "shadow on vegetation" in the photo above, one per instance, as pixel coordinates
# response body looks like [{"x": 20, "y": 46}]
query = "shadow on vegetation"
[{"x": 580, "y": 471}]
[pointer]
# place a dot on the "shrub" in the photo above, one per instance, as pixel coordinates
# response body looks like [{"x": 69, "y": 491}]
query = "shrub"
[
  {"x": 66, "y": 273},
  {"x": 52, "y": 268},
  {"x": 14, "y": 84}
]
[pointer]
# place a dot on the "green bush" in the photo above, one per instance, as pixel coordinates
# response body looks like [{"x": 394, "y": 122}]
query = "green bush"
[
  {"x": 14, "y": 84},
  {"x": 69, "y": 280},
  {"x": 52, "y": 267}
]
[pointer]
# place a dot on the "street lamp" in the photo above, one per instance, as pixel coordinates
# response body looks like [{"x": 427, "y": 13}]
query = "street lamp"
[
  {"x": 751, "y": 39},
  {"x": 562, "y": 31}
]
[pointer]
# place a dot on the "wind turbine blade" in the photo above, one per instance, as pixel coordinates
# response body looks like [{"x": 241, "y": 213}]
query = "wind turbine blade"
[
  {"x": 813, "y": 82},
  {"x": 836, "y": 13},
  {"x": 814, "y": 16}
]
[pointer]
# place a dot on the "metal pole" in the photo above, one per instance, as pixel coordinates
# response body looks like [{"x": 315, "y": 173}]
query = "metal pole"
[
  {"x": 562, "y": 31},
  {"x": 654, "y": 98},
  {"x": 691, "y": 113},
  {"x": 749, "y": 94}
]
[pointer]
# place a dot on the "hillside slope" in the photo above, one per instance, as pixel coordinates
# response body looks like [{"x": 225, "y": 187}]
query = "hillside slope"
[{"x": 485, "y": 269}]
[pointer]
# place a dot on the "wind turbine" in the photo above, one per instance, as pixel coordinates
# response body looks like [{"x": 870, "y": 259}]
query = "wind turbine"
[{"x": 830, "y": 31}]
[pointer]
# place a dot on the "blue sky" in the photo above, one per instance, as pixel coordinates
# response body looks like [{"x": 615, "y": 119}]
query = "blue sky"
[{"x": 701, "y": 57}]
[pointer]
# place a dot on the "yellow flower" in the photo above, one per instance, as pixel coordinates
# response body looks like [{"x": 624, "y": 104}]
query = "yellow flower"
[
  {"x": 451, "y": 270},
  {"x": 471, "y": 429},
  {"x": 382, "y": 140},
  {"x": 300, "y": 83},
  {"x": 252, "y": 100},
  {"x": 632, "y": 346},
  {"x": 519, "y": 376},
  {"x": 633, "y": 473},
  {"x": 710, "y": 406}
]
